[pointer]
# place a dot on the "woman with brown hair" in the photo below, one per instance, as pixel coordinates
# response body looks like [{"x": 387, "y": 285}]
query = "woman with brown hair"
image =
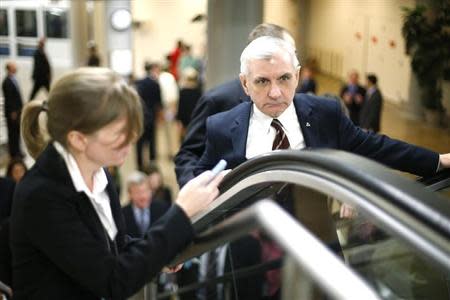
[{"x": 67, "y": 230}]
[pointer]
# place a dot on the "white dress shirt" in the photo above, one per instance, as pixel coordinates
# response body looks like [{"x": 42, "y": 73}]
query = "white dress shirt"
[
  {"x": 261, "y": 135},
  {"x": 99, "y": 197}
]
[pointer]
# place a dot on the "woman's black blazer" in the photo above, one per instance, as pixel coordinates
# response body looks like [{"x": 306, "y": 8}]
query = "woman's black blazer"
[{"x": 61, "y": 250}]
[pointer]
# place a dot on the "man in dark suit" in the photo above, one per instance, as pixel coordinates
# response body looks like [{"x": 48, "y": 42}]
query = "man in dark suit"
[
  {"x": 307, "y": 82},
  {"x": 219, "y": 99},
  {"x": 353, "y": 95},
  {"x": 6, "y": 192},
  {"x": 370, "y": 114},
  {"x": 42, "y": 73},
  {"x": 269, "y": 75},
  {"x": 142, "y": 211},
  {"x": 12, "y": 109},
  {"x": 150, "y": 92}
]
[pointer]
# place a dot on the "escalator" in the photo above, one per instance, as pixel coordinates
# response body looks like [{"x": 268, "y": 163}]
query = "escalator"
[{"x": 359, "y": 231}]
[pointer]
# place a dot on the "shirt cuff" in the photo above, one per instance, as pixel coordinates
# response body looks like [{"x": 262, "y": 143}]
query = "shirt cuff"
[{"x": 439, "y": 167}]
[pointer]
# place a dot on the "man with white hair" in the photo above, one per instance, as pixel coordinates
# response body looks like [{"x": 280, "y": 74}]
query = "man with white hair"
[
  {"x": 142, "y": 212},
  {"x": 219, "y": 99},
  {"x": 277, "y": 118}
]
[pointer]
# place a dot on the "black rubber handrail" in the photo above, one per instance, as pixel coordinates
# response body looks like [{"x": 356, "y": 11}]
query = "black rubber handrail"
[
  {"x": 438, "y": 181},
  {"x": 430, "y": 208}
]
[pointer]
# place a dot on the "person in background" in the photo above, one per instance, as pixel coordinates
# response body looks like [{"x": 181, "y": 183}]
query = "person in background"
[
  {"x": 42, "y": 73},
  {"x": 16, "y": 169},
  {"x": 174, "y": 58},
  {"x": 370, "y": 116},
  {"x": 142, "y": 212},
  {"x": 149, "y": 90},
  {"x": 353, "y": 94},
  {"x": 12, "y": 109},
  {"x": 189, "y": 95},
  {"x": 93, "y": 58},
  {"x": 307, "y": 81},
  {"x": 68, "y": 236},
  {"x": 169, "y": 97},
  {"x": 161, "y": 192},
  {"x": 187, "y": 60},
  {"x": 7, "y": 186}
]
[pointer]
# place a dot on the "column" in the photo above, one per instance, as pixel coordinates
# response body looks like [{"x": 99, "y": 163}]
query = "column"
[{"x": 229, "y": 23}]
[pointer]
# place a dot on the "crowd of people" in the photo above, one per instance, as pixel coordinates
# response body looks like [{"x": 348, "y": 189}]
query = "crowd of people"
[{"x": 68, "y": 236}]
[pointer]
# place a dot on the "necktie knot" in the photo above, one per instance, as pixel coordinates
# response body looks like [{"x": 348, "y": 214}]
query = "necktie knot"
[{"x": 281, "y": 140}]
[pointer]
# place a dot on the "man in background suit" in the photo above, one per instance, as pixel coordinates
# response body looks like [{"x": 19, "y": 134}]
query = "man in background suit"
[
  {"x": 370, "y": 114},
  {"x": 12, "y": 109},
  {"x": 42, "y": 73},
  {"x": 149, "y": 91},
  {"x": 142, "y": 212},
  {"x": 219, "y": 99},
  {"x": 6, "y": 191},
  {"x": 353, "y": 95},
  {"x": 269, "y": 75}
]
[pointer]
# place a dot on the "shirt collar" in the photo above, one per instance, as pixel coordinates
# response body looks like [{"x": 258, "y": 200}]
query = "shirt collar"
[
  {"x": 99, "y": 182},
  {"x": 285, "y": 118}
]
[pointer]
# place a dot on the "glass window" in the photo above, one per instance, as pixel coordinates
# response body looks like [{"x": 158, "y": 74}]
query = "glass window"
[
  {"x": 3, "y": 22},
  {"x": 4, "y": 49},
  {"x": 26, "y": 23},
  {"x": 56, "y": 23},
  {"x": 25, "y": 49}
]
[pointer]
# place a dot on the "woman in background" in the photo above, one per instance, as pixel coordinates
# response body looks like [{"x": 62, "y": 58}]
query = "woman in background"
[{"x": 67, "y": 230}]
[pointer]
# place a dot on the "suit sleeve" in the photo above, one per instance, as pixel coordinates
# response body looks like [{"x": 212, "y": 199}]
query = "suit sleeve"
[
  {"x": 211, "y": 155},
  {"x": 194, "y": 142},
  {"x": 64, "y": 238},
  {"x": 393, "y": 153}
]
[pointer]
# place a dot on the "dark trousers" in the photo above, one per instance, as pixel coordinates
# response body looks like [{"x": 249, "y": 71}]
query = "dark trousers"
[
  {"x": 37, "y": 86},
  {"x": 14, "y": 138},
  {"x": 147, "y": 137}
]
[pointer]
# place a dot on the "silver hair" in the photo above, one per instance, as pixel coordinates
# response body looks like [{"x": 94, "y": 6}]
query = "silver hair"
[
  {"x": 136, "y": 178},
  {"x": 266, "y": 47}
]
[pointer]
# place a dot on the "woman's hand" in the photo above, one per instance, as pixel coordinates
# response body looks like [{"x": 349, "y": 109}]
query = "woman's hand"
[
  {"x": 172, "y": 269},
  {"x": 198, "y": 193}
]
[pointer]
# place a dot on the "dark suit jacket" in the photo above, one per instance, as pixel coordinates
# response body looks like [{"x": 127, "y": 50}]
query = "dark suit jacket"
[
  {"x": 13, "y": 100},
  {"x": 61, "y": 250},
  {"x": 370, "y": 115},
  {"x": 329, "y": 128},
  {"x": 186, "y": 104},
  {"x": 6, "y": 196},
  {"x": 219, "y": 99},
  {"x": 354, "y": 108},
  {"x": 150, "y": 93},
  {"x": 307, "y": 86},
  {"x": 157, "y": 210},
  {"x": 41, "y": 68}
]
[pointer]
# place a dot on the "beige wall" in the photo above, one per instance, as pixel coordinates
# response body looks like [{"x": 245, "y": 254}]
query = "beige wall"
[
  {"x": 284, "y": 13},
  {"x": 162, "y": 24},
  {"x": 340, "y": 33}
]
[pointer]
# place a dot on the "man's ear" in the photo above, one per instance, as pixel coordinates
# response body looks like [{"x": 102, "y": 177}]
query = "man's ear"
[
  {"x": 76, "y": 140},
  {"x": 297, "y": 74},
  {"x": 244, "y": 83}
]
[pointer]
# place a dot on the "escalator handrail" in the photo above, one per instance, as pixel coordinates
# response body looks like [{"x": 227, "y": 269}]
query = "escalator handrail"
[
  {"x": 429, "y": 207},
  {"x": 310, "y": 254},
  {"x": 438, "y": 181}
]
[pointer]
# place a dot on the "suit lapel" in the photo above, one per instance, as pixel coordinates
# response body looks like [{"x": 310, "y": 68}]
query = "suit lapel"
[
  {"x": 89, "y": 215},
  {"x": 239, "y": 131},
  {"x": 308, "y": 123},
  {"x": 53, "y": 164}
]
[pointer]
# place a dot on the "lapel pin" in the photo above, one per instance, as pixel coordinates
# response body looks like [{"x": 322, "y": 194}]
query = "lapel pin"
[{"x": 307, "y": 124}]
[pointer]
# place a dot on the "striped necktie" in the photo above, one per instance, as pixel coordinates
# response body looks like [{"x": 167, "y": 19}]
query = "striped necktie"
[{"x": 281, "y": 140}]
